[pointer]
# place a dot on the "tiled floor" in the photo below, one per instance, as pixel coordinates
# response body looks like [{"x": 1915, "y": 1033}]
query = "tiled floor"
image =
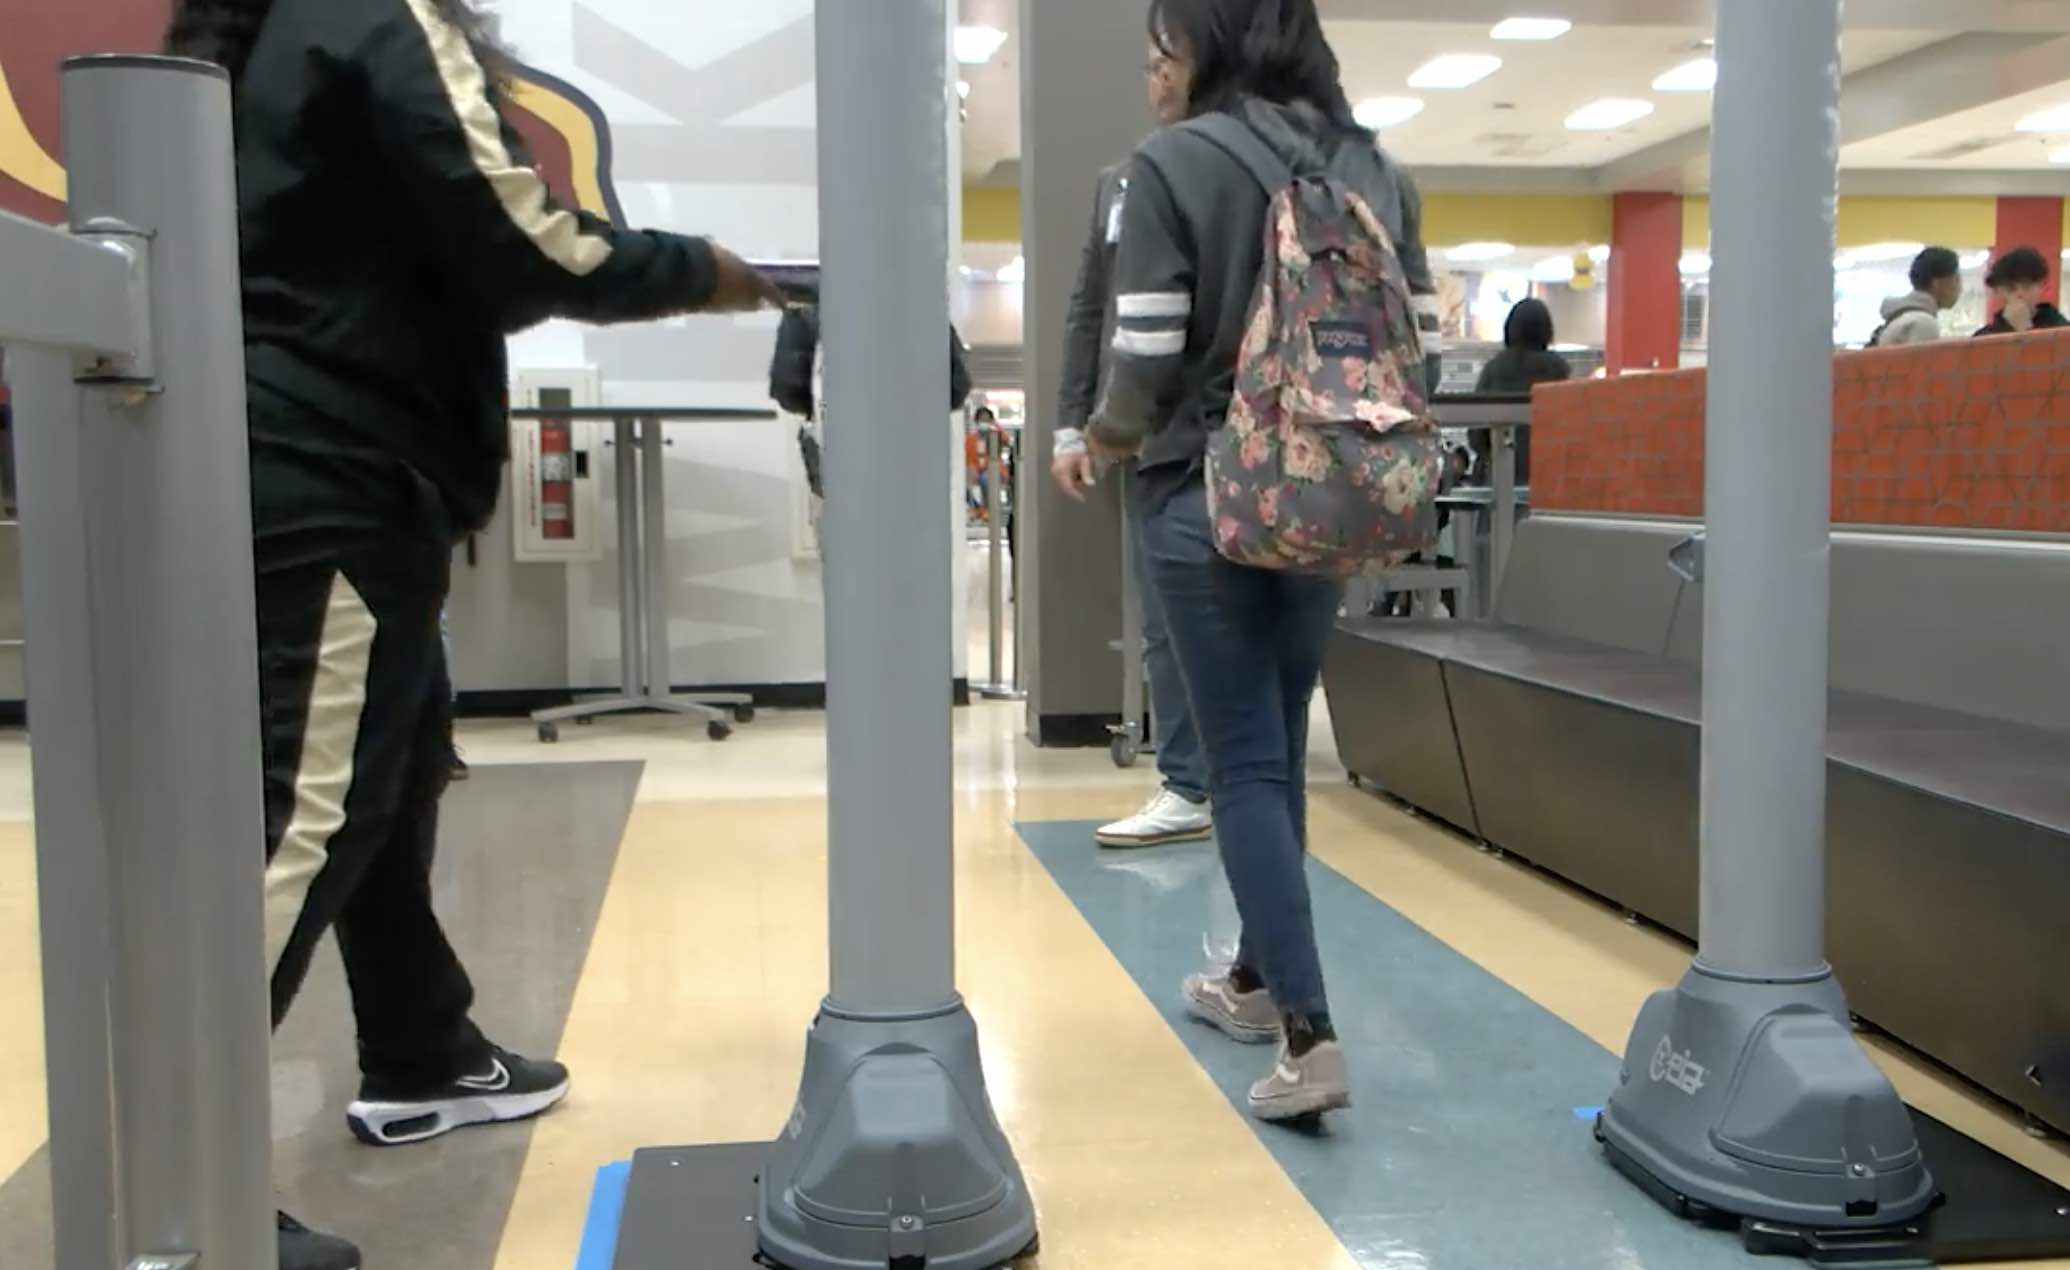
[{"x": 680, "y": 960}]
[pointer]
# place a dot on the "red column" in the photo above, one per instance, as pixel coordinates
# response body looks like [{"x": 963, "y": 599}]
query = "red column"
[
  {"x": 1645, "y": 282},
  {"x": 2036, "y": 223}
]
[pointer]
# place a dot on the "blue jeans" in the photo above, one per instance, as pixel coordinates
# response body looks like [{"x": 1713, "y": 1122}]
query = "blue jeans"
[
  {"x": 1179, "y": 759},
  {"x": 1250, "y": 646}
]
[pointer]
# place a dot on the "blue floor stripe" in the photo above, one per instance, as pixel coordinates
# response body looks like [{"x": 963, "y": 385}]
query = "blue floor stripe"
[
  {"x": 1467, "y": 1148},
  {"x": 606, "y": 1211}
]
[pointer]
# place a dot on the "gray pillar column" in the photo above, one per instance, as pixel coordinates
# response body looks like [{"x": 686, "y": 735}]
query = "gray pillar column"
[
  {"x": 1743, "y": 1089},
  {"x": 1768, "y": 456},
  {"x": 884, "y": 310},
  {"x": 1084, "y": 107},
  {"x": 143, "y": 694},
  {"x": 893, "y": 1155}
]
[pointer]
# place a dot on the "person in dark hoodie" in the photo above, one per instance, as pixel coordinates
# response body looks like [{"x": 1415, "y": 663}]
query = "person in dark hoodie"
[
  {"x": 1916, "y": 318},
  {"x": 392, "y": 234},
  {"x": 1249, "y": 641},
  {"x": 1526, "y": 359},
  {"x": 2017, "y": 280}
]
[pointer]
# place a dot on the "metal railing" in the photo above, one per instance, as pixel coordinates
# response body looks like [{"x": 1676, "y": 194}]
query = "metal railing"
[{"x": 125, "y": 354}]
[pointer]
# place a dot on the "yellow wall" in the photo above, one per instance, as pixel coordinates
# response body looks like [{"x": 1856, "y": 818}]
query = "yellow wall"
[
  {"x": 1950, "y": 222},
  {"x": 991, "y": 215},
  {"x": 1539, "y": 220},
  {"x": 1555, "y": 220}
]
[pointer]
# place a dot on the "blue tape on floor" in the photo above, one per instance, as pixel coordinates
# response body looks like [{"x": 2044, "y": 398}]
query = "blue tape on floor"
[
  {"x": 1587, "y": 1114},
  {"x": 606, "y": 1211},
  {"x": 1465, "y": 1150}
]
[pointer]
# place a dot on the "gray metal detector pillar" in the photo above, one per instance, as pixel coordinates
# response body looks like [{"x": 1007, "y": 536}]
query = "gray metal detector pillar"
[
  {"x": 126, "y": 354},
  {"x": 1744, "y": 1090},
  {"x": 893, "y": 1157}
]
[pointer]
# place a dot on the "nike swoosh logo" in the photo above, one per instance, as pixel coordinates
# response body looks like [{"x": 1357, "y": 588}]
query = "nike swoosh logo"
[{"x": 495, "y": 1081}]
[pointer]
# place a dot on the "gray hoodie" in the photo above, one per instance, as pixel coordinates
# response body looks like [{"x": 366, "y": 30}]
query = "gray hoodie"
[
  {"x": 1909, "y": 319},
  {"x": 1192, "y": 246}
]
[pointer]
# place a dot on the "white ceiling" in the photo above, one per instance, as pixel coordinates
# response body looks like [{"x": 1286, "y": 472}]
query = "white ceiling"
[
  {"x": 1514, "y": 120},
  {"x": 1516, "y": 117}
]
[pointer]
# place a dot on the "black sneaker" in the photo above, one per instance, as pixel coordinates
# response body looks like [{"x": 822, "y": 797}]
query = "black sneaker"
[
  {"x": 509, "y": 1088},
  {"x": 303, "y": 1249}
]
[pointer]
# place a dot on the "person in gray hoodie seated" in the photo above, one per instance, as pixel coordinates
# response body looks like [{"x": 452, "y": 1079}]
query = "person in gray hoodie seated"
[
  {"x": 1916, "y": 318},
  {"x": 1249, "y": 641}
]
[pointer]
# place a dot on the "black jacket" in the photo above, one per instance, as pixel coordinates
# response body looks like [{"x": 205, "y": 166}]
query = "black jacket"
[
  {"x": 1192, "y": 247},
  {"x": 1510, "y": 371},
  {"x": 2047, "y": 317},
  {"x": 393, "y": 233}
]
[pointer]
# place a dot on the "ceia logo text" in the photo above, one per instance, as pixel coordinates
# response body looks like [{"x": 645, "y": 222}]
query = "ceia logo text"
[{"x": 1677, "y": 1068}]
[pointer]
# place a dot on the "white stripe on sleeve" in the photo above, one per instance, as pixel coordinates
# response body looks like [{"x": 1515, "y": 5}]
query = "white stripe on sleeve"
[
  {"x": 1154, "y": 304},
  {"x": 1149, "y": 343}
]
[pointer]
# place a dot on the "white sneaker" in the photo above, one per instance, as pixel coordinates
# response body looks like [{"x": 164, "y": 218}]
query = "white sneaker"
[
  {"x": 1316, "y": 1082},
  {"x": 1165, "y": 819},
  {"x": 1248, "y": 1017}
]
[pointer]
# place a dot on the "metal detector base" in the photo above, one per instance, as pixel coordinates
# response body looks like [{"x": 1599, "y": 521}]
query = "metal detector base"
[
  {"x": 693, "y": 1208},
  {"x": 1756, "y": 1099},
  {"x": 893, "y": 1159},
  {"x": 1991, "y": 1209}
]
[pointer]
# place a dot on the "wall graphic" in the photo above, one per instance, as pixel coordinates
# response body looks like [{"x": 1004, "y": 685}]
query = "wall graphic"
[{"x": 568, "y": 133}]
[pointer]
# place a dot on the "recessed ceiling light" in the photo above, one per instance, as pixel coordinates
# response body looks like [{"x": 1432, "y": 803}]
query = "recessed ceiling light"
[
  {"x": 1455, "y": 70},
  {"x": 975, "y": 45},
  {"x": 1699, "y": 76},
  {"x": 1694, "y": 264},
  {"x": 1608, "y": 114},
  {"x": 1531, "y": 29},
  {"x": 1553, "y": 269},
  {"x": 1599, "y": 253},
  {"x": 1385, "y": 112},
  {"x": 2052, "y": 120},
  {"x": 1478, "y": 253},
  {"x": 2060, "y": 156}
]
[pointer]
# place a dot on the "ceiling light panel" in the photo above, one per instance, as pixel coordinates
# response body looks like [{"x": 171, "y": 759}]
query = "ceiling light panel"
[
  {"x": 1534, "y": 29},
  {"x": 1609, "y": 114},
  {"x": 1699, "y": 76},
  {"x": 1385, "y": 112},
  {"x": 1455, "y": 70},
  {"x": 975, "y": 45}
]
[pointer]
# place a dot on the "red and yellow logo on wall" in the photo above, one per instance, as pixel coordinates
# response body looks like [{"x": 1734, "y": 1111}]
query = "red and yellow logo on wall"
[{"x": 567, "y": 133}]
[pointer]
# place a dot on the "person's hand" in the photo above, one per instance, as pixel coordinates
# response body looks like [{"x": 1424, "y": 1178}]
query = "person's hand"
[
  {"x": 1075, "y": 473},
  {"x": 2019, "y": 313},
  {"x": 741, "y": 287}
]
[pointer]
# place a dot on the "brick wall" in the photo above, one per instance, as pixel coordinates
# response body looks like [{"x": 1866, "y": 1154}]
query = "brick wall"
[{"x": 1971, "y": 434}]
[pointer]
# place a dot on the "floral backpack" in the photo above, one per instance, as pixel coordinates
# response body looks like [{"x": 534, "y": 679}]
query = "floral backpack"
[{"x": 1329, "y": 461}]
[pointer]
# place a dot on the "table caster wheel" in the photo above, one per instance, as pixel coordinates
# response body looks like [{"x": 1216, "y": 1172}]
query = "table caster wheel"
[
  {"x": 1125, "y": 750},
  {"x": 549, "y": 733},
  {"x": 718, "y": 729},
  {"x": 744, "y": 714}
]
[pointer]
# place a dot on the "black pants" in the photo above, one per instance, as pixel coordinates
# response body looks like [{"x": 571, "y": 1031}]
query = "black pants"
[{"x": 353, "y": 688}]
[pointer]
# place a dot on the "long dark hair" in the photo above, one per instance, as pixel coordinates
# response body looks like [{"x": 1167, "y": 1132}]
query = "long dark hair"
[
  {"x": 226, "y": 31},
  {"x": 1270, "y": 49},
  {"x": 1529, "y": 328}
]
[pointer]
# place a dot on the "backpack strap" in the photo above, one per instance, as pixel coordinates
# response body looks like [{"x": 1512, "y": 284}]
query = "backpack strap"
[{"x": 1242, "y": 143}]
